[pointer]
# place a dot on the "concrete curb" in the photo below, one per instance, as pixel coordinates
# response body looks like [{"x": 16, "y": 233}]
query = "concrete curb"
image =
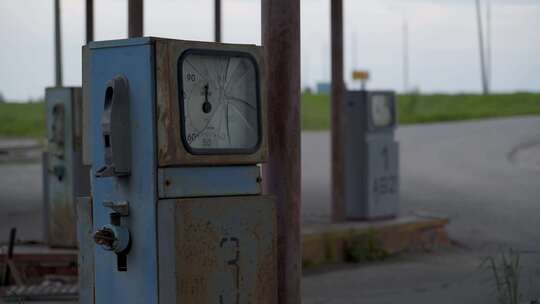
[
  {"x": 322, "y": 244},
  {"x": 19, "y": 150},
  {"x": 358, "y": 241}
]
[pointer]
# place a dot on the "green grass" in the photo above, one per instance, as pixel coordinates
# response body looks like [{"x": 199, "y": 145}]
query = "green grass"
[
  {"x": 27, "y": 119},
  {"x": 22, "y": 119},
  {"x": 433, "y": 108}
]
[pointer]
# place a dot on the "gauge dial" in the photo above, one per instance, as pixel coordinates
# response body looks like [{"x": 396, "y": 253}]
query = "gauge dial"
[
  {"x": 219, "y": 102},
  {"x": 381, "y": 111}
]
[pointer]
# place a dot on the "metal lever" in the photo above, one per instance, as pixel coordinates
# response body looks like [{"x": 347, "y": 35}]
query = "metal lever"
[
  {"x": 122, "y": 207},
  {"x": 114, "y": 237}
]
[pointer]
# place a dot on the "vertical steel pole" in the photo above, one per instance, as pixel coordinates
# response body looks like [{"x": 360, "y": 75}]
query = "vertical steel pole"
[
  {"x": 135, "y": 18},
  {"x": 281, "y": 41},
  {"x": 217, "y": 20},
  {"x": 338, "y": 87},
  {"x": 485, "y": 89},
  {"x": 89, "y": 21},
  {"x": 57, "y": 44}
]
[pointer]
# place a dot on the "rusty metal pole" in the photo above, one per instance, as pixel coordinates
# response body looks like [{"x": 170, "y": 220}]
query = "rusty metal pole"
[
  {"x": 5, "y": 280},
  {"x": 135, "y": 18},
  {"x": 338, "y": 88},
  {"x": 217, "y": 20},
  {"x": 282, "y": 174},
  {"x": 57, "y": 44},
  {"x": 89, "y": 21}
]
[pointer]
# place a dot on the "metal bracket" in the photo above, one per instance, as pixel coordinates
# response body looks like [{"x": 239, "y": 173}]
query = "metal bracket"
[{"x": 121, "y": 208}]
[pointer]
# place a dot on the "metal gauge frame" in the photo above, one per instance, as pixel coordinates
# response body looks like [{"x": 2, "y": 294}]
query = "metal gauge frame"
[
  {"x": 181, "y": 101},
  {"x": 393, "y": 110}
]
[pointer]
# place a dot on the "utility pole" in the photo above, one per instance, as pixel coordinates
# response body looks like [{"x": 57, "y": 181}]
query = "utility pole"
[
  {"x": 338, "y": 87},
  {"x": 488, "y": 45},
  {"x": 89, "y": 21},
  {"x": 282, "y": 175},
  {"x": 57, "y": 44},
  {"x": 217, "y": 20},
  {"x": 354, "y": 52},
  {"x": 485, "y": 88},
  {"x": 135, "y": 18},
  {"x": 405, "y": 55}
]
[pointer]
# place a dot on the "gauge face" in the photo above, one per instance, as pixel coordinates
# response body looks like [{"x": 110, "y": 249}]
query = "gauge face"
[
  {"x": 381, "y": 111},
  {"x": 219, "y": 102}
]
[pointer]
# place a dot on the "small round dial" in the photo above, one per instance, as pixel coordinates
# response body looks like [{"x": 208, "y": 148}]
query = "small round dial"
[
  {"x": 220, "y": 102},
  {"x": 381, "y": 111}
]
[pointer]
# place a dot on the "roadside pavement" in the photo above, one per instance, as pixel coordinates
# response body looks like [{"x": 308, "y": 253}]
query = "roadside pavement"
[{"x": 482, "y": 175}]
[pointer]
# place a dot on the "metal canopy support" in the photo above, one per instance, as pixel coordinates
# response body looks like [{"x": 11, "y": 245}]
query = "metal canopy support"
[
  {"x": 338, "y": 87},
  {"x": 217, "y": 20},
  {"x": 57, "y": 44},
  {"x": 135, "y": 18},
  {"x": 281, "y": 41},
  {"x": 89, "y": 21}
]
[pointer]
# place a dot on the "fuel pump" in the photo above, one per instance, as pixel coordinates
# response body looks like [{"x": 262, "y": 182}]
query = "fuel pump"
[
  {"x": 178, "y": 133},
  {"x": 64, "y": 176},
  {"x": 371, "y": 155}
]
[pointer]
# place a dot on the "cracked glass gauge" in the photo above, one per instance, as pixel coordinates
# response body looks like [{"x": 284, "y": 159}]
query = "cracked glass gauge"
[
  {"x": 381, "y": 111},
  {"x": 219, "y": 102}
]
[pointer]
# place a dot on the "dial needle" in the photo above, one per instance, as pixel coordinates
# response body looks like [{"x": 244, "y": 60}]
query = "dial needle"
[
  {"x": 227, "y": 120},
  {"x": 207, "y": 106}
]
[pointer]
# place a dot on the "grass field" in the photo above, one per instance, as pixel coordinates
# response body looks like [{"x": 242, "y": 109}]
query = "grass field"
[
  {"x": 22, "y": 119},
  {"x": 433, "y": 108},
  {"x": 27, "y": 120}
]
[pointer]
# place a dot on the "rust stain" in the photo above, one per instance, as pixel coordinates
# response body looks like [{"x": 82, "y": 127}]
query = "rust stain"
[
  {"x": 206, "y": 267},
  {"x": 62, "y": 226},
  {"x": 168, "y": 183}
]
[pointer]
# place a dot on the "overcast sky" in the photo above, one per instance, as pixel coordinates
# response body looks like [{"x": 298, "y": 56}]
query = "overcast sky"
[{"x": 443, "y": 39}]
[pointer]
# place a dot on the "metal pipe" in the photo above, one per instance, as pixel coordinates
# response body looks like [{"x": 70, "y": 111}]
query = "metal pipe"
[
  {"x": 282, "y": 174},
  {"x": 135, "y": 18},
  {"x": 57, "y": 44},
  {"x": 338, "y": 87},
  {"x": 89, "y": 21},
  {"x": 217, "y": 20}
]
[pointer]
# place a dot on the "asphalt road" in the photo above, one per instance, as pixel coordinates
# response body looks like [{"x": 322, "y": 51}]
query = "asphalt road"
[
  {"x": 484, "y": 176},
  {"x": 20, "y": 200}
]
